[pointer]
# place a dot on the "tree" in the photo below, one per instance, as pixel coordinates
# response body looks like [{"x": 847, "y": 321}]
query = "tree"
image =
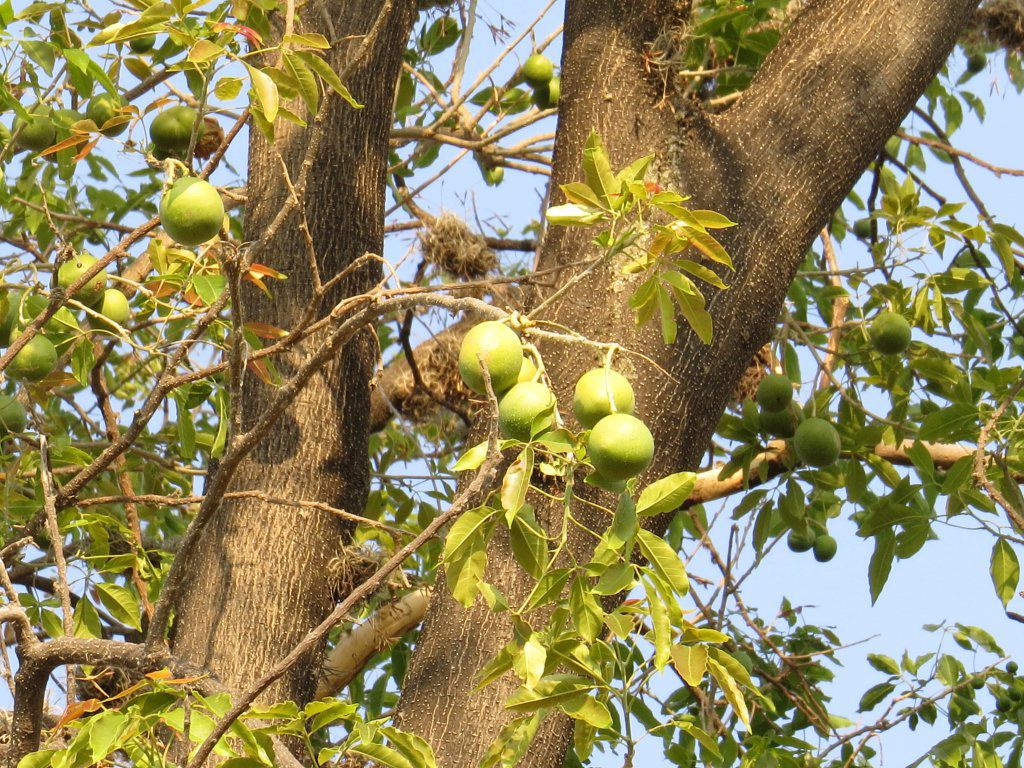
[{"x": 196, "y": 611}]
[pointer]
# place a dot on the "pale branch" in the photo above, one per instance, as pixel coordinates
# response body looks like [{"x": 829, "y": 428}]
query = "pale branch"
[
  {"x": 378, "y": 633},
  {"x": 981, "y": 456}
]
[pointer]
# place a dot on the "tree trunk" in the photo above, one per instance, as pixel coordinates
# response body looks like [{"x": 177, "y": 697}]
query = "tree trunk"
[
  {"x": 779, "y": 162},
  {"x": 259, "y": 575}
]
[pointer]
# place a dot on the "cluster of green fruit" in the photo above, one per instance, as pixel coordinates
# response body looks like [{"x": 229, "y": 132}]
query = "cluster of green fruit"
[
  {"x": 46, "y": 126},
  {"x": 1009, "y": 700},
  {"x": 38, "y": 358},
  {"x": 619, "y": 445},
  {"x": 539, "y": 73}
]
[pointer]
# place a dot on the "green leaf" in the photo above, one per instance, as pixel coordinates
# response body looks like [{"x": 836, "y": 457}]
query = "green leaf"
[
  {"x": 586, "y": 612},
  {"x": 529, "y": 545},
  {"x": 550, "y": 691},
  {"x": 1005, "y": 570},
  {"x": 874, "y": 695},
  {"x": 663, "y": 560},
  {"x": 666, "y": 494},
  {"x": 881, "y": 562},
  {"x": 266, "y": 92},
  {"x": 534, "y": 657},
  {"x": 732, "y": 691},
  {"x": 598, "y": 171},
  {"x": 705, "y": 739},
  {"x": 382, "y": 755},
  {"x": 516, "y": 482},
  {"x": 955, "y": 422},
  {"x": 329, "y": 76},
  {"x": 589, "y": 710},
  {"x": 572, "y": 213},
  {"x": 228, "y": 88},
  {"x": 203, "y": 51},
  {"x": 883, "y": 663},
  {"x": 709, "y": 246},
  {"x": 104, "y": 729},
  {"x": 471, "y": 459},
  {"x": 470, "y": 523},
  {"x": 120, "y": 602},
  {"x": 691, "y": 662},
  {"x": 512, "y": 742}
]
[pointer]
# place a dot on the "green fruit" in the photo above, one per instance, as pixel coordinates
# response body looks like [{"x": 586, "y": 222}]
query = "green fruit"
[
  {"x": 35, "y": 361},
  {"x": 115, "y": 307},
  {"x": 978, "y": 683},
  {"x": 862, "y": 228},
  {"x": 528, "y": 370},
  {"x": 142, "y": 44},
  {"x": 494, "y": 175},
  {"x": 890, "y": 333},
  {"x": 538, "y": 70},
  {"x": 1015, "y": 695},
  {"x": 502, "y": 352},
  {"x": 816, "y": 443},
  {"x": 778, "y": 423},
  {"x": 21, "y": 310},
  {"x": 92, "y": 292},
  {"x": 1011, "y": 667},
  {"x": 104, "y": 108},
  {"x": 800, "y": 541},
  {"x": 38, "y": 133},
  {"x": 525, "y": 410},
  {"x": 191, "y": 211},
  {"x": 12, "y": 416},
  {"x": 824, "y": 548},
  {"x": 600, "y": 392},
  {"x": 620, "y": 446},
  {"x": 774, "y": 393},
  {"x": 1003, "y": 704},
  {"x": 976, "y": 63},
  {"x": 171, "y": 130},
  {"x": 547, "y": 96}
]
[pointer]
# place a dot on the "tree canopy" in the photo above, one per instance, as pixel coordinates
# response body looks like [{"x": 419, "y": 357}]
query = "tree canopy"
[{"x": 379, "y": 387}]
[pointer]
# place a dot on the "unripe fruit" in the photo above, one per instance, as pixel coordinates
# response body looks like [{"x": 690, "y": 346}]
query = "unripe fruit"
[
  {"x": 35, "y": 361},
  {"x": 824, "y": 548},
  {"x": 493, "y": 176},
  {"x": 38, "y": 133},
  {"x": 800, "y": 541},
  {"x": 816, "y": 443},
  {"x": 115, "y": 306},
  {"x": 61, "y": 328},
  {"x": 191, "y": 211},
  {"x": 12, "y": 415},
  {"x": 1015, "y": 695},
  {"x": 538, "y": 70},
  {"x": 978, "y": 683},
  {"x": 547, "y": 96},
  {"x": 171, "y": 130},
  {"x": 1003, "y": 704},
  {"x": 774, "y": 392},
  {"x": 526, "y": 409},
  {"x": 976, "y": 63},
  {"x": 104, "y": 108},
  {"x": 600, "y": 392},
  {"x": 502, "y": 352},
  {"x": 862, "y": 228},
  {"x": 890, "y": 333},
  {"x": 142, "y": 44},
  {"x": 1011, "y": 667},
  {"x": 528, "y": 370},
  {"x": 778, "y": 423},
  {"x": 620, "y": 446},
  {"x": 92, "y": 292}
]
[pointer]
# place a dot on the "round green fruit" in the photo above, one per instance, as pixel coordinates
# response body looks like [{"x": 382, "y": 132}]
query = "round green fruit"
[
  {"x": 800, "y": 541},
  {"x": 599, "y": 393},
  {"x": 1015, "y": 695},
  {"x": 104, "y": 108},
  {"x": 191, "y": 211},
  {"x": 976, "y": 63},
  {"x": 890, "y": 333},
  {"x": 142, "y": 44},
  {"x": 620, "y": 446},
  {"x": 547, "y": 96},
  {"x": 528, "y": 370},
  {"x": 38, "y": 132},
  {"x": 525, "y": 410},
  {"x": 978, "y": 683},
  {"x": 171, "y": 130},
  {"x": 824, "y": 548},
  {"x": 816, "y": 443},
  {"x": 114, "y": 306},
  {"x": 1004, "y": 704},
  {"x": 538, "y": 70},
  {"x": 494, "y": 175},
  {"x": 774, "y": 393},
  {"x": 502, "y": 352},
  {"x": 778, "y": 423},
  {"x": 35, "y": 361},
  {"x": 1011, "y": 667},
  {"x": 92, "y": 292},
  {"x": 12, "y": 416},
  {"x": 862, "y": 228}
]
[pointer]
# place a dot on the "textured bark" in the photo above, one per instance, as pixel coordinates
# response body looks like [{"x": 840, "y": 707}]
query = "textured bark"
[
  {"x": 779, "y": 162},
  {"x": 259, "y": 581}
]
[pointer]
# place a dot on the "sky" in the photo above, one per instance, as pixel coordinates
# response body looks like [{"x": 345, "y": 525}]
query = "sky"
[{"x": 948, "y": 581}]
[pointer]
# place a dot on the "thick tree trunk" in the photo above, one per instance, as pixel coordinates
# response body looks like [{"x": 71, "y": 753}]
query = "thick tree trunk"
[
  {"x": 779, "y": 162},
  {"x": 259, "y": 580}
]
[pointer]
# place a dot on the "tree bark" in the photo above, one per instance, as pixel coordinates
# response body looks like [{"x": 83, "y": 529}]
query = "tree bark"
[
  {"x": 259, "y": 575},
  {"x": 779, "y": 163}
]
